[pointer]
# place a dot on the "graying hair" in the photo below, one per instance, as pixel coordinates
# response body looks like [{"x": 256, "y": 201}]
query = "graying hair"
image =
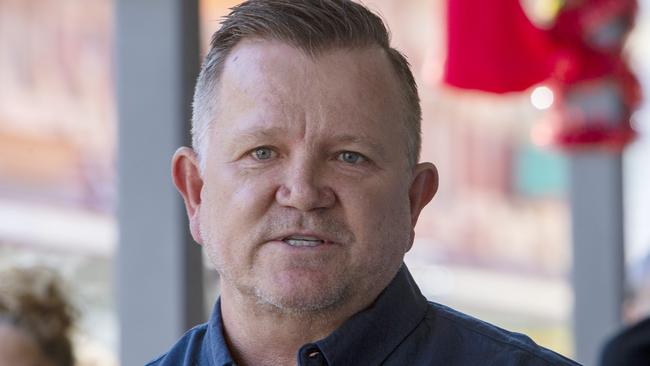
[{"x": 313, "y": 26}]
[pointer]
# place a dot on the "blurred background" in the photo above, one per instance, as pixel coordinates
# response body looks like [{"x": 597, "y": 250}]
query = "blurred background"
[{"x": 539, "y": 226}]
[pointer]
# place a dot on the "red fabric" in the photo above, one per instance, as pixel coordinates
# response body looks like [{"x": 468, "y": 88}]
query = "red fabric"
[{"x": 493, "y": 46}]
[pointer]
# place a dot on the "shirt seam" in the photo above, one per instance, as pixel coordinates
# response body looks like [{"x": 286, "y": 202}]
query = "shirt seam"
[
  {"x": 408, "y": 334},
  {"x": 515, "y": 342}
]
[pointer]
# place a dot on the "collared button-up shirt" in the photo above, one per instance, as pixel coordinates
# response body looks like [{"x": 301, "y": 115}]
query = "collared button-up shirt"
[{"x": 401, "y": 328}]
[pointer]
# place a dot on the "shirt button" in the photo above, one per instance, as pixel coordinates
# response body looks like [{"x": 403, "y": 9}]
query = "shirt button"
[
  {"x": 313, "y": 354},
  {"x": 313, "y": 357}
]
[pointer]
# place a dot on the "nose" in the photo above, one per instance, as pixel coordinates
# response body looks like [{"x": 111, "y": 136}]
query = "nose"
[{"x": 304, "y": 187}]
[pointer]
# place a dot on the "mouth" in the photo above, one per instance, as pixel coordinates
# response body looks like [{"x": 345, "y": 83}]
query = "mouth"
[{"x": 303, "y": 241}]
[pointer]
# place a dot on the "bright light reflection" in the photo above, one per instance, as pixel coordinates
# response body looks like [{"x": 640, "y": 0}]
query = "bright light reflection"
[{"x": 542, "y": 97}]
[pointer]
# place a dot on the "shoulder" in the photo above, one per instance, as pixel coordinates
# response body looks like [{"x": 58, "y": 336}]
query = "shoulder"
[
  {"x": 484, "y": 341},
  {"x": 186, "y": 351},
  {"x": 629, "y": 347}
]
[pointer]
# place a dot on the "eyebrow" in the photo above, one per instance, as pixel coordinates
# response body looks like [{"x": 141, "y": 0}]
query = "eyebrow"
[
  {"x": 251, "y": 135},
  {"x": 333, "y": 139},
  {"x": 364, "y": 140}
]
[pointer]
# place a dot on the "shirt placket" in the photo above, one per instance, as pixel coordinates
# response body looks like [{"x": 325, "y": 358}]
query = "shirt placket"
[{"x": 311, "y": 355}]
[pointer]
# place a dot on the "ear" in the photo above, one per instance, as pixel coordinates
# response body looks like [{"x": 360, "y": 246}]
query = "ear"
[
  {"x": 187, "y": 178},
  {"x": 423, "y": 187}
]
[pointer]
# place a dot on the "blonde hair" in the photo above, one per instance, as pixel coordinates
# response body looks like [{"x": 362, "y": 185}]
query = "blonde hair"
[{"x": 32, "y": 300}]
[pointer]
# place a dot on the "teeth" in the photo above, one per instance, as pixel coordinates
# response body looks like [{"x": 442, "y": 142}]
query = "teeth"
[
  {"x": 303, "y": 241},
  {"x": 299, "y": 237}
]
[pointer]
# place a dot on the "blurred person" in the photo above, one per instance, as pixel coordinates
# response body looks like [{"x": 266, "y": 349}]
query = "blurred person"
[
  {"x": 631, "y": 346},
  {"x": 637, "y": 292},
  {"x": 35, "y": 319},
  {"x": 304, "y": 188}
]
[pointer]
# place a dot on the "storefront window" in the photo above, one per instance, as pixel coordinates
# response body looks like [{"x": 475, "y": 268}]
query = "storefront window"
[{"x": 57, "y": 142}]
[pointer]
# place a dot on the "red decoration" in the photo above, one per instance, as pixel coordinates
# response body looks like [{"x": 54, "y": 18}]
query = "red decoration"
[
  {"x": 493, "y": 46},
  {"x": 595, "y": 90}
]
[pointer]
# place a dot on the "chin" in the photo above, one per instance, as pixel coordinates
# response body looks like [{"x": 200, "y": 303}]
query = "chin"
[{"x": 301, "y": 297}]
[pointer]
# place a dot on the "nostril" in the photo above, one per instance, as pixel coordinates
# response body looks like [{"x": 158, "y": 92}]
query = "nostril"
[
  {"x": 283, "y": 191},
  {"x": 305, "y": 196}
]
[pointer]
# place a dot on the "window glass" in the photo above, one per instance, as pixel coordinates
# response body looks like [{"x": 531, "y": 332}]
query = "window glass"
[
  {"x": 636, "y": 177},
  {"x": 57, "y": 139}
]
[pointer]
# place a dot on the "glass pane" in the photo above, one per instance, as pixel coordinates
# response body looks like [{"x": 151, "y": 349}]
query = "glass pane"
[
  {"x": 57, "y": 138},
  {"x": 637, "y": 178}
]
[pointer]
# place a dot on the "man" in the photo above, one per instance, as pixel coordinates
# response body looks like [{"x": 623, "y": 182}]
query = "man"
[{"x": 304, "y": 188}]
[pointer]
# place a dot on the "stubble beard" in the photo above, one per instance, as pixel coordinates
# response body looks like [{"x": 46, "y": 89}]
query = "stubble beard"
[
  {"x": 345, "y": 286},
  {"x": 314, "y": 300},
  {"x": 304, "y": 300},
  {"x": 297, "y": 304}
]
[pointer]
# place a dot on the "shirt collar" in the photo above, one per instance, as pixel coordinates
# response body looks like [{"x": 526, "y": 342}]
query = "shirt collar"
[
  {"x": 369, "y": 336},
  {"x": 215, "y": 344}
]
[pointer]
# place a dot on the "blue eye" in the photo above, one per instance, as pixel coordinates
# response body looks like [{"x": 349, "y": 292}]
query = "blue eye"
[
  {"x": 263, "y": 153},
  {"x": 351, "y": 157}
]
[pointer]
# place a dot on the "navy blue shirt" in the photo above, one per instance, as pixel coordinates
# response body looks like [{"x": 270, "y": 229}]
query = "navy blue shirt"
[{"x": 400, "y": 328}]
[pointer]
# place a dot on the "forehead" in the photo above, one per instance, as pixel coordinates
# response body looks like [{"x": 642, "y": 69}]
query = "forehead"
[
  {"x": 346, "y": 80},
  {"x": 257, "y": 54}
]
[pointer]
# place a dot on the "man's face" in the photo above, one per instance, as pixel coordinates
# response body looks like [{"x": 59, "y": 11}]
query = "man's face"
[{"x": 307, "y": 200}]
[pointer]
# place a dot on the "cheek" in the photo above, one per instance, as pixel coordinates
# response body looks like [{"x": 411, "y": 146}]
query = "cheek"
[
  {"x": 380, "y": 218},
  {"x": 231, "y": 206},
  {"x": 246, "y": 197}
]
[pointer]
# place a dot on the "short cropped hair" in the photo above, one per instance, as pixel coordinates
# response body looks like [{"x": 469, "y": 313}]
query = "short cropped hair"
[{"x": 314, "y": 26}]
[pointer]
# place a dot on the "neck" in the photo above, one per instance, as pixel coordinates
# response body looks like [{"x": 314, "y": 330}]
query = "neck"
[{"x": 260, "y": 334}]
